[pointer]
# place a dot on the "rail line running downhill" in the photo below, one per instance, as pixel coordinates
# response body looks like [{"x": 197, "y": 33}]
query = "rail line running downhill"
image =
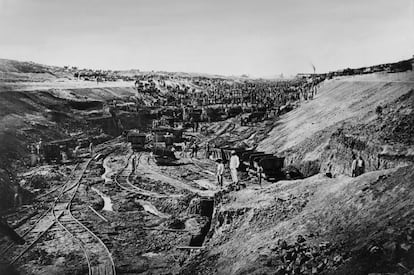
[
  {"x": 39, "y": 215},
  {"x": 97, "y": 255},
  {"x": 44, "y": 220}
]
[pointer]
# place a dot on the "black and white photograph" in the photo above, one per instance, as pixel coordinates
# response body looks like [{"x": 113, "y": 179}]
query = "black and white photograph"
[{"x": 206, "y": 137}]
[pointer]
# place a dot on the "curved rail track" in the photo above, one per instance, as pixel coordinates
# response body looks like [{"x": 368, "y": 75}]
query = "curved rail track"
[
  {"x": 124, "y": 182},
  {"x": 33, "y": 228},
  {"x": 47, "y": 196},
  {"x": 97, "y": 255}
]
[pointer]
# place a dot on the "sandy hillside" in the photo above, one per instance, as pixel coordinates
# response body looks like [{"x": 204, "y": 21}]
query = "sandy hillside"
[
  {"x": 324, "y": 225},
  {"x": 338, "y": 100}
]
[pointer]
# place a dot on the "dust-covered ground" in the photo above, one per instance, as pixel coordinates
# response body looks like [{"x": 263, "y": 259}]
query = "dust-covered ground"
[
  {"x": 147, "y": 231},
  {"x": 328, "y": 223},
  {"x": 161, "y": 220}
]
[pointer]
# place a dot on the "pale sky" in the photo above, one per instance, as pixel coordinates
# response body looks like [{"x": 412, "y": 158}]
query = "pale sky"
[{"x": 230, "y": 37}]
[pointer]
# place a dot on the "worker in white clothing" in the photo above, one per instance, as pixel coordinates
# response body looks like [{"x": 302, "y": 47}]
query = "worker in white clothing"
[
  {"x": 234, "y": 165},
  {"x": 220, "y": 172}
]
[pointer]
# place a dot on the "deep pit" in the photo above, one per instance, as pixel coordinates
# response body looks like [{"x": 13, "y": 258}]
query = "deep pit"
[{"x": 206, "y": 210}]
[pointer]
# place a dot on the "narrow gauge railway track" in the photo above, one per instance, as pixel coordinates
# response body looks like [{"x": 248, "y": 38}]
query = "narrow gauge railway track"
[
  {"x": 45, "y": 216},
  {"x": 48, "y": 195},
  {"x": 32, "y": 234},
  {"x": 122, "y": 178},
  {"x": 97, "y": 254},
  {"x": 46, "y": 221},
  {"x": 98, "y": 257},
  {"x": 123, "y": 182}
]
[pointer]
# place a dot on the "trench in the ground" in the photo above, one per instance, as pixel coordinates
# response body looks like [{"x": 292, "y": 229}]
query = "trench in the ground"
[{"x": 206, "y": 210}]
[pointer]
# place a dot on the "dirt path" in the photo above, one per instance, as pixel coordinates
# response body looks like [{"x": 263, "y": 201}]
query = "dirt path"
[{"x": 152, "y": 171}]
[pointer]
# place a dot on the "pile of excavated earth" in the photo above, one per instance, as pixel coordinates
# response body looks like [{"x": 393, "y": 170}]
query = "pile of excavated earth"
[{"x": 174, "y": 219}]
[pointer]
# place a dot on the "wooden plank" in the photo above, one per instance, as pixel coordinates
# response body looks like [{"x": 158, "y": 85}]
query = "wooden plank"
[
  {"x": 190, "y": 247},
  {"x": 99, "y": 215},
  {"x": 165, "y": 229}
]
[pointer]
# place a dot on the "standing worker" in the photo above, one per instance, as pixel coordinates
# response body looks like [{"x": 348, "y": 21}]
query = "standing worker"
[
  {"x": 353, "y": 166},
  {"x": 220, "y": 172},
  {"x": 76, "y": 152},
  {"x": 207, "y": 150},
  {"x": 195, "y": 149},
  {"x": 184, "y": 149},
  {"x": 39, "y": 147},
  {"x": 63, "y": 154},
  {"x": 91, "y": 149},
  {"x": 360, "y": 166},
  {"x": 234, "y": 165},
  {"x": 259, "y": 174},
  {"x": 18, "y": 201},
  {"x": 33, "y": 156}
]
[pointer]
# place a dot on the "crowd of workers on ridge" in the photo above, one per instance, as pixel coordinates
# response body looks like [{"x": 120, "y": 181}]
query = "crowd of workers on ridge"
[{"x": 201, "y": 91}]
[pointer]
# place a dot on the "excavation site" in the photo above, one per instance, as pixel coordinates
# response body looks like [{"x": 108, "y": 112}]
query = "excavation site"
[
  {"x": 132, "y": 167},
  {"x": 118, "y": 178}
]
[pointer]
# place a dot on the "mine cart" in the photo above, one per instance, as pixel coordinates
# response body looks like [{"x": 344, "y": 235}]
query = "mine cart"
[
  {"x": 245, "y": 158},
  {"x": 254, "y": 159},
  {"x": 234, "y": 111},
  {"x": 52, "y": 151},
  {"x": 256, "y": 117},
  {"x": 169, "y": 139},
  {"x": 161, "y": 132},
  {"x": 272, "y": 167},
  {"x": 159, "y": 136},
  {"x": 178, "y": 135},
  {"x": 137, "y": 140},
  {"x": 215, "y": 114},
  {"x": 285, "y": 108},
  {"x": 163, "y": 156},
  {"x": 195, "y": 115}
]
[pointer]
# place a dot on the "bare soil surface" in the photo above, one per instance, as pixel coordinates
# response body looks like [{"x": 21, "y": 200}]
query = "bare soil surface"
[{"x": 156, "y": 222}]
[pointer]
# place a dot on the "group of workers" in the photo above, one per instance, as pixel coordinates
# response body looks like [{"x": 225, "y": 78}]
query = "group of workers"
[
  {"x": 193, "y": 149},
  {"x": 37, "y": 152},
  {"x": 233, "y": 165},
  {"x": 357, "y": 169}
]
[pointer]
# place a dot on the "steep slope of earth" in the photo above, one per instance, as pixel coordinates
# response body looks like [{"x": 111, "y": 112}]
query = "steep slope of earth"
[
  {"x": 328, "y": 223},
  {"x": 369, "y": 115}
]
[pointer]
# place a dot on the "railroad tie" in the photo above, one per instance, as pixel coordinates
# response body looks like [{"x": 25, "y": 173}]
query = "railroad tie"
[{"x": 101, "y": 269}]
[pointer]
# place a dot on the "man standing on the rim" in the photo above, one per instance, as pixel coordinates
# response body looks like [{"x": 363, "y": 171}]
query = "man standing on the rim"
[
  {"x": 234, "y": 165},
  {"x": 220, "y": 172}
]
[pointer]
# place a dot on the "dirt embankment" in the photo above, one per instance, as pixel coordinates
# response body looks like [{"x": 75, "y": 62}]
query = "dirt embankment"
[
  {"x": 317, "y": 225},
  {"x": 369, "y": 115},
  {"x": 37, "y": 102},
  {"x": 322, "y": 225}
]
